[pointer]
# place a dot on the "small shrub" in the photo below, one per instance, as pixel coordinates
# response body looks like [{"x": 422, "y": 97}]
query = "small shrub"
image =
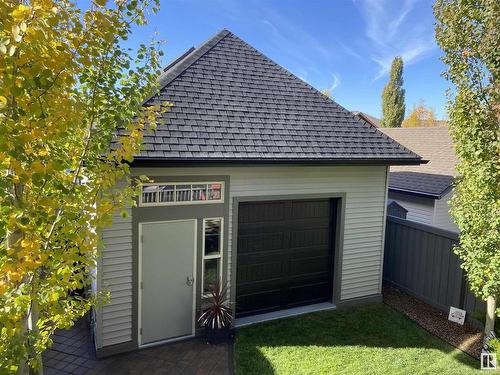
[{"x": 494, "y": 346}]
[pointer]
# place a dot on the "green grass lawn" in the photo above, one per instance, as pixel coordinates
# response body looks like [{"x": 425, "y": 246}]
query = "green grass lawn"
[{"x": 370, "y": 339}]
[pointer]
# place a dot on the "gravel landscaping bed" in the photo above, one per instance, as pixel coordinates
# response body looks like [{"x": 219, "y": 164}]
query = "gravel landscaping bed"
[{"x": 465, "y": 338}]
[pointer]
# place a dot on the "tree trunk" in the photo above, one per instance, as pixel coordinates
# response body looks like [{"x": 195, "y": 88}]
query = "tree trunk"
[
  {"x": 30, "y": 324},
  {"x": 489, "y": 325},
  {"x": 33, "y": 320},
  {"x": 13, "y": 241}
]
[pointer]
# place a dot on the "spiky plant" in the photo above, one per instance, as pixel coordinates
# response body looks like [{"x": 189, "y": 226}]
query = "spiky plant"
[{"x": 216, "y": 309}]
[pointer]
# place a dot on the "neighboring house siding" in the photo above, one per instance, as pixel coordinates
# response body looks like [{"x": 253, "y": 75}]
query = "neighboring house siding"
[
  {"x": 419, "y": 209},
  {"x": 365, "y": 188},
  {"x": 442, "y": 216},
  {"x": 114, "y": 320}
]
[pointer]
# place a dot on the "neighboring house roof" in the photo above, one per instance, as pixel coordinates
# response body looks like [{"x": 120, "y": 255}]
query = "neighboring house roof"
[
  {"x": 423, "y": 184},
  {"x": 233, "y": 104},
  {"x": 393, "y": 203},
  {"x": 369, "y": 119},
  {"x": 395, "y": 209},
  {"x": 433, "y": 179}
]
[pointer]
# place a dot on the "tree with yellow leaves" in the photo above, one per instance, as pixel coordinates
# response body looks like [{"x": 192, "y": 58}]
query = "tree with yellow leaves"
[
  {"x": 66, "y": 85},
  {"x": 420, "y": 116}
]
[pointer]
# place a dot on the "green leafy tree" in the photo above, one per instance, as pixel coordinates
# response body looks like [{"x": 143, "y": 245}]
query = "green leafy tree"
[
  {"x": 66, "y": 85},
  {"x": 393, "y": 97},
  {"x": 467, "y": 32}
]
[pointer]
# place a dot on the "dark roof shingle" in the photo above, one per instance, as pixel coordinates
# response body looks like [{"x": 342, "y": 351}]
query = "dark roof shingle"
[
  {"x": 231, "y": 103},
  {"x": 423, "y": 184}
]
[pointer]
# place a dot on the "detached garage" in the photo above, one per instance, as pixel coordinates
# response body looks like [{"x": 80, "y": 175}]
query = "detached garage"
[{"x": 259, "y": 181}]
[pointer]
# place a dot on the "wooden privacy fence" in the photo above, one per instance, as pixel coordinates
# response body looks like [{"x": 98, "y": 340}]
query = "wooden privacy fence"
[{"x": 419, "y": 260}]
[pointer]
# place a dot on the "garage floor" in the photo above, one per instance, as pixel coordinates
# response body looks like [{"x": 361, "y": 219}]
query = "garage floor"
[{"x": 72, "y": 353}]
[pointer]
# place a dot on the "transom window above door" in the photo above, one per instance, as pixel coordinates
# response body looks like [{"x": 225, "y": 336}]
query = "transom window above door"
[{"x": 179, "y": 193}]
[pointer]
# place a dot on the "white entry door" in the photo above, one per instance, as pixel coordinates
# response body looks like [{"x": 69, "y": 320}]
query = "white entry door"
[{"x": 167, "y": 285}]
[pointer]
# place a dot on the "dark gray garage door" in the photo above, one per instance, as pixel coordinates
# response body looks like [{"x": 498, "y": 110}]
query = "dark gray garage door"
[{"x": 285, "y": 256}]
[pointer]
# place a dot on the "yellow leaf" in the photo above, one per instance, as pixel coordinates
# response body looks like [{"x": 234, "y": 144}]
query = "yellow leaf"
[
  {"x": 20, "y": 11},
  {"x": 15, "y": 30},
  {"x": 37, "y": 166},
  {"x": 3, "y": 101}
]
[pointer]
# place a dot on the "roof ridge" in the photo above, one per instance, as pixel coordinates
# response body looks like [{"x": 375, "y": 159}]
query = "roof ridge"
[
  {"x": 189, "y": 58},
  {"x": 178, "y": 59}
]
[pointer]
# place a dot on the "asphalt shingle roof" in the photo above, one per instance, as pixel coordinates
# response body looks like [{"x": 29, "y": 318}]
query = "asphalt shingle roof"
[
  {"x": 425, "y": 184},
  {"x": 231, "y": 103},
  {"x": 368, "y": 118},
  {"x": 434, "y": 144}
]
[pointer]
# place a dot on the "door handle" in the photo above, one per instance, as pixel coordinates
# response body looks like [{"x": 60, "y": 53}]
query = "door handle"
[{"x": 189, "y": 281}]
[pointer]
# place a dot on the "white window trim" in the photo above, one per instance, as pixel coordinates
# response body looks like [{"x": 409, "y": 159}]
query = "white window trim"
[
  {"x": 182, "y": 203},
  {"x": 213, "y": 256}
]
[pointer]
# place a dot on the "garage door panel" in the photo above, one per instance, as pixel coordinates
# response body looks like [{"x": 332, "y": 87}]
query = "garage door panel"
[
  {"x": 259, "y": 272},
  {"x": 311, "y": 209},
  {"x": 310, "y": 266},
  {"x": 309, "y": 293},
  {"x": 252, "y": 243},
  {"x": 310, "y": 237},
  {"x": 265, "y": 300},
  {"x": 259, "y": 212},
  {"x": 286, "y": 262}
]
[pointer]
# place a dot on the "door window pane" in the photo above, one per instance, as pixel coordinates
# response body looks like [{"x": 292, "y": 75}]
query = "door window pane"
[
  {"x": 214, "y": 191},
  {"x": 199, "y": 192},
  {"x": 212, "y": 272},
  {"x": 213, "y": 229},
  {"x": 149, "y": 194},
  {"x": 183, "y": 193},
  {"x": 166, "y": 193}
]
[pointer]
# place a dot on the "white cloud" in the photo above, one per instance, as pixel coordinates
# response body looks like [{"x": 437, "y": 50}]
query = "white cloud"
[
  {"x": 289, "y": 36},
  {"x": 335, "y": 83},
  {"x": 409, "y": 55},
  {"x": 349, "y": 50},
  {"x": 393, "y": 33}
]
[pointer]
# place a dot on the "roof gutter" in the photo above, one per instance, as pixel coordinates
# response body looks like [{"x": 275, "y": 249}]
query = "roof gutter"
[
  {"x": 417, "y": 193},
  {"x": 162, "y": 162}
]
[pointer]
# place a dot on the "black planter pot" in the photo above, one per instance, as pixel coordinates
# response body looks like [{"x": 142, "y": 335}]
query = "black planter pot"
[{"x": 217, "y": 335}]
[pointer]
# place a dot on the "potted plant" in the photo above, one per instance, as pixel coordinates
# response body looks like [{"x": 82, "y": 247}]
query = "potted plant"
[{"x": 216, "y": 315}]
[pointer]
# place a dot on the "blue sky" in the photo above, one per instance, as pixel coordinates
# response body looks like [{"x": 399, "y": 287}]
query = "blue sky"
[{"x": 345, "y": 45}]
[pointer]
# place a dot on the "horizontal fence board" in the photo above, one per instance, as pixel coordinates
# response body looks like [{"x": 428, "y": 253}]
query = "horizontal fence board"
[{"x": 419, "y": 259}]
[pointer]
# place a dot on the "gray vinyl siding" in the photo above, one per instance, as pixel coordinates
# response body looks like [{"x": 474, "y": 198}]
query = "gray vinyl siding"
[
  {"x": 365, "y": 188},
  {"x": 365, "y": 191},
  {"x": 114, "y": 319},
  {"x": 420, "y": 209},
  {"x": 442, "y": 216}
]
